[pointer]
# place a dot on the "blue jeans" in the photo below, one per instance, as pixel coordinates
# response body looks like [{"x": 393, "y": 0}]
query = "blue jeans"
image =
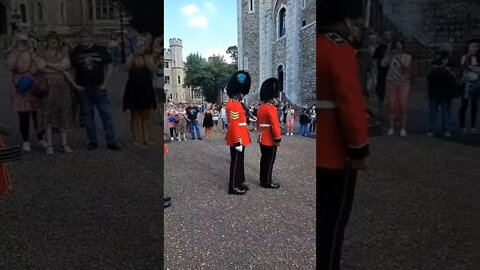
[
  {"x": 92, "y": 98},
  {"x": 444, "y": 107},
  {"x": 194, "y": 127},
  {"x": 304, "y": 129}
]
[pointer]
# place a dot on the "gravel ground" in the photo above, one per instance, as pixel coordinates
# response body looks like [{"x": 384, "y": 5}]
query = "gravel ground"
[{"x": 87, "y": 210}]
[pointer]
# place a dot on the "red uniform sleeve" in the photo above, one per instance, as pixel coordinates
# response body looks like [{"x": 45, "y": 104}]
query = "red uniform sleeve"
[
  {"x": 275, "y": 124},
  {"x": 351, "y": 103},
  {"x": 233, "y": 116}
]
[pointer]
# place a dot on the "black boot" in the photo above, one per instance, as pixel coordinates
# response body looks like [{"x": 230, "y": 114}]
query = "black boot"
[
  {"x": 237, "y": 191},
  {"x": 270, "y": 185},
  {"x": 244, "y": 187},
  {"x": 166, "y": 203}
]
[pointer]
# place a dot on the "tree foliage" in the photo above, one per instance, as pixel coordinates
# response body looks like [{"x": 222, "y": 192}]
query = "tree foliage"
[
  {"x": 210, "y": 76},
  {"x": 233, "y": 52},
  {"x": 146, "y": 16}
]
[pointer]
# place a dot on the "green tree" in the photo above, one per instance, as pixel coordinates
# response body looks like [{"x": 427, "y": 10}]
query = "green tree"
[
  {"x": 210, "y": 76},
  {"x": 233, "y": 52},
  {"x": 145, "y": 15}
]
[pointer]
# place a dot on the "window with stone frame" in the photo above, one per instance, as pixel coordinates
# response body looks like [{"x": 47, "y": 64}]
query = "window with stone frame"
[
  {"x": 251, "y": 6},
  {"x": 104, "y": 10},
  {"x": 91, "y": 7},
  {"x": 167, "y": 79},
  {"x": 62, "y": 13},
  {"x": 179, "y": 79},
  {"x": 167, "y": 65},
  {"x": 23, "y": 13},
  {"x": 282, "y": 22},
  {"x": 39, "y": 12}
]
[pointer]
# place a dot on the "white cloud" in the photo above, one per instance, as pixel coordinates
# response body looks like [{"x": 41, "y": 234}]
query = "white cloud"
[
  {"x": 190, "y": 10},
  {"x": 198, "y": 22},
  {"x": 210, "y": 7}
]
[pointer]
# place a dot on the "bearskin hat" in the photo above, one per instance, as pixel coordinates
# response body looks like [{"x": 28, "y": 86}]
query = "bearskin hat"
[
  {"x": 239, "y": 83},
  {"x": 333, "y": 11},
  {"x": 270, "y": 89}
]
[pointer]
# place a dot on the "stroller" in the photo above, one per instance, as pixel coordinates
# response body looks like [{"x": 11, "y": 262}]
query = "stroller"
[{"x": 7, "y": 155}]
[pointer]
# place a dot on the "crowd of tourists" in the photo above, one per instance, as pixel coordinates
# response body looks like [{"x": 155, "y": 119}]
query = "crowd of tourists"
[
  {"x": 386, "y": 73},
  {"x": 57, "y": 85}
]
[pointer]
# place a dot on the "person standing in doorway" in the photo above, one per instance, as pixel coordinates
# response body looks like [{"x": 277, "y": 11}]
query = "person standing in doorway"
[
  {"x": 93, "y": 69},
  {"x": 342, "y": 130}
]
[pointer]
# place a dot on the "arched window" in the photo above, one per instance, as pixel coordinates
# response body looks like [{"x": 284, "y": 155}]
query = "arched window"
[
  {"x": 281, "y": 22},
  {"x": 39, "y": 12},
  {"x": 280, "y": 76}
]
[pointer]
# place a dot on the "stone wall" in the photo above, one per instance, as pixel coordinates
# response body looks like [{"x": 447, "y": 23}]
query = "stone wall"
[
  {"x": 250, "y": 44},
  {"x": 307, "y": 66}
]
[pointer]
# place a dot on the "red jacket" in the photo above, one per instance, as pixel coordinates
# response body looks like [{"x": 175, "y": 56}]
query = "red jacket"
[
  {"x": 268, "y": 125},
  {"x": 342, "y": 130},
  {"x": 237, "y": 132}
]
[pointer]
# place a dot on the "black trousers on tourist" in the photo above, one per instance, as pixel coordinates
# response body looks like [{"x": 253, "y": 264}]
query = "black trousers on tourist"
[
  {"x": 269, "y": 153},
  {"x": 24, "y": 124},
  {"x": 335, "y": 192},
  {"x": 237, "y": 169},
  {"x": 473, "y": 111}
]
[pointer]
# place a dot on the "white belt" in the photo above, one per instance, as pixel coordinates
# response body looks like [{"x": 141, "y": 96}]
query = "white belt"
[
  {"x": 326, "y": 104},
  {"x": 242, "y": 124},
  {"x": 264, "y": 125}
]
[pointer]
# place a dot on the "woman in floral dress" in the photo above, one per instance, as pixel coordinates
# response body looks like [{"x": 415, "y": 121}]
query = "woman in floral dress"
[
  {"x": 24, "y": 62},
  {"x": 56, "y": 109}
]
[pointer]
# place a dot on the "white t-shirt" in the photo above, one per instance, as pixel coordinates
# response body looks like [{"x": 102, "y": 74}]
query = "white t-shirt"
[{"x": 469, "y": 75}]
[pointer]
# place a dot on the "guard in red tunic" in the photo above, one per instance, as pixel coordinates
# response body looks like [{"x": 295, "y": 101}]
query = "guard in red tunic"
[
  {"x": 342, "y": 133},
  {"x": 269, "y": 130},
  {"x": 237, "y": 135}
]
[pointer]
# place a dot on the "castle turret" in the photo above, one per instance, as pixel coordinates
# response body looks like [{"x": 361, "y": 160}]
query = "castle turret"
[{"x": 176, "y": 48}]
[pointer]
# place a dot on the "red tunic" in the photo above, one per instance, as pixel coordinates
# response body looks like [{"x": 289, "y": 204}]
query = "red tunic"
[
  {"x": 268, "y": 125},
  {"x": 342, "y": 131},
  {"x": 237, "y": 124}
]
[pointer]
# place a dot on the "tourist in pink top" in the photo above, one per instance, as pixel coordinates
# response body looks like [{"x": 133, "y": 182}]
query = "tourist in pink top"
[
  {"x": 397, "y": 85},
  {"x": 23, "y": 61}
]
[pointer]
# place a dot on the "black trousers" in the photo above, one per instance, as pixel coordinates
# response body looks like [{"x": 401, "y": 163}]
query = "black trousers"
[
  {"x": 335, "y": 192},
  {"x": 237, "y": 169},
  {"x": 24, "y": 124},
  {"x": 473, "y": 111},
  {"x": 269, "y": 153}
]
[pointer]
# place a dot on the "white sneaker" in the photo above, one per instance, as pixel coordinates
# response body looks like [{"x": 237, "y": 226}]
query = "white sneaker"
[
  {"x": 43, "y": 144},
  {"x": 448, "y": 134},
  {"x": 26, "y": 147},
  {"x": 49, "y": 150},
  {"x": 67, "y": 149},
  {"x": 179, "y": 139},
  {"x": 430, "y": 134},
  {"x": 390, "y": 132},
  {"x": 403, "y": 132},
  {"x": 171, "y": 139}
]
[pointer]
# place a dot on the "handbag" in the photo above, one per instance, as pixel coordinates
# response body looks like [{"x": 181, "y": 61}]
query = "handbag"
[{"x": 40, "y": 87}]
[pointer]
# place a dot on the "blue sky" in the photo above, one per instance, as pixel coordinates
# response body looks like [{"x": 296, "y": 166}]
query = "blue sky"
[{"x": 205, "y": 26}]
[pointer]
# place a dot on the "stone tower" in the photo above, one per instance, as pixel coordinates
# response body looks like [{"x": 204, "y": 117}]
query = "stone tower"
[
  {"x": 174, "y": 71},
  {"x": 276, "y": 38}
]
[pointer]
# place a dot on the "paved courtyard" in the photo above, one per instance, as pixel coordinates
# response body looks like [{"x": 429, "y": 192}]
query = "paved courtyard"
[{"x": 416, "y": 207}]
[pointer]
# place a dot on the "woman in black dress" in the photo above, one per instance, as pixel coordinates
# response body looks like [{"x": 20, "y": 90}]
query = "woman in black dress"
[
  {"x": 139, "y": 96},
  {"x": 208, "y": 123}
]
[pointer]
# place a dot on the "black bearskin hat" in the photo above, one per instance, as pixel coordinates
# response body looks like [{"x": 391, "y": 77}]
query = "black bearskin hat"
[
  {"x": 333, "y": 11},
  {"x": 270, "y": 89},
  {"x": 239, "y": 83}
]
